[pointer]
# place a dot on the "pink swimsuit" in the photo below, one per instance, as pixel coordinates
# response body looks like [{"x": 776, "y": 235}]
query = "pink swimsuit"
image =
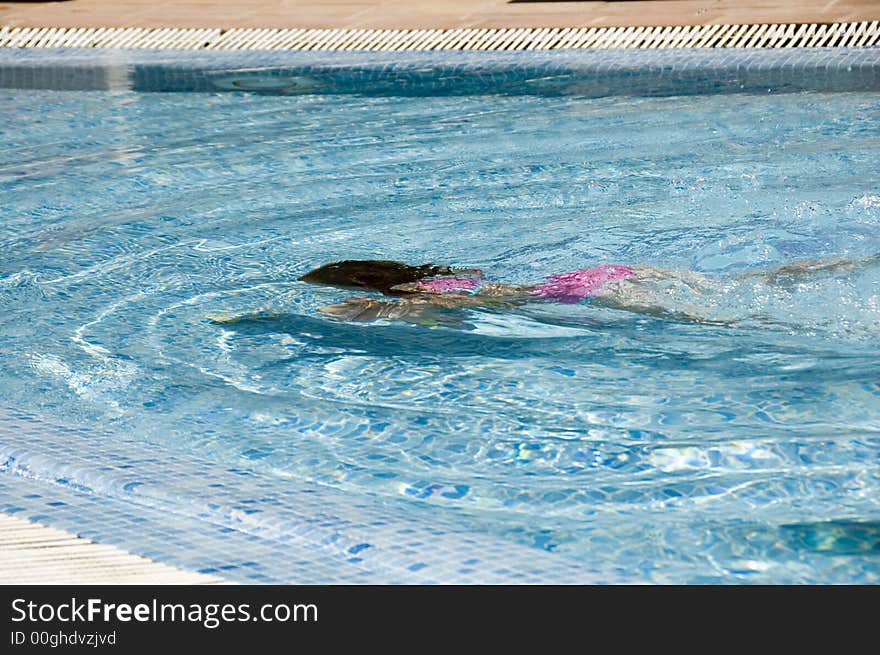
[
  {"x": 574, "y": 286},
  {"x": 568, "y": 288}
]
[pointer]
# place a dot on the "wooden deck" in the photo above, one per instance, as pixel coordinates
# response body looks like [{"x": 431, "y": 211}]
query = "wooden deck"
[{"x": 421, "y": 14}]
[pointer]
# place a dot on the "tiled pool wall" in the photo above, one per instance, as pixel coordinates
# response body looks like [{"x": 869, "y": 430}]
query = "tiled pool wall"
[
  {"x": 230, "y": 521},
  {"x": 590, "y": 73},
  {"x": 247, "y": 527}
]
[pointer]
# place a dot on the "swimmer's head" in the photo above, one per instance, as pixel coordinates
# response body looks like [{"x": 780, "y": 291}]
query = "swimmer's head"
[{"x": 373, "y": 274}]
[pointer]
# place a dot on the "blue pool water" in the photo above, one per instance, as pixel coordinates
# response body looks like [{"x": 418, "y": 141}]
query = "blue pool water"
[{"x": 658, "y": 450}]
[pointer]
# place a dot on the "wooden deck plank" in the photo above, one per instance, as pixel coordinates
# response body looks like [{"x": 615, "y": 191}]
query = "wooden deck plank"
[{"x": 440, "y": 14}]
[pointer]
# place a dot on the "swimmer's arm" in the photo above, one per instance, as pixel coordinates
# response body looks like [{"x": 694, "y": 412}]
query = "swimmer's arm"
[
  {"x": 418, "y": 311},
  {"x": 426, "y": 308},
  {"x": 484, "y": 294},
  {"x": 612, "y": 301},
  {"x": 229, "y": 319},
  {"x": 804, "y": 269}
]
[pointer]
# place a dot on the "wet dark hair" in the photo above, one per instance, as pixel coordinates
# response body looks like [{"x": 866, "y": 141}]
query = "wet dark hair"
[{"x": 372, "y": 274}]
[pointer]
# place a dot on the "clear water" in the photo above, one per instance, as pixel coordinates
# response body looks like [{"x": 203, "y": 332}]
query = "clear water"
[{"x": 674, "y": 452}]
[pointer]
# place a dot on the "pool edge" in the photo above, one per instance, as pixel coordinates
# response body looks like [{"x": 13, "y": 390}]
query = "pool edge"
[
  {"x": 32, "y": 553},
  {"x": 709, "y": 36}
]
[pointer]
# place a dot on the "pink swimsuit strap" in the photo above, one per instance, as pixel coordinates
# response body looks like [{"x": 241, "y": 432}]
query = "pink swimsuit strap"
[
  {"x": 463, "y": 285},
  {"x": 574, "y": 286}
]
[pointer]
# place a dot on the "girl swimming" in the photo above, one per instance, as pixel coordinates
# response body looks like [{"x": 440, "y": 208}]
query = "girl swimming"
[{"x": 419, "y": 291}]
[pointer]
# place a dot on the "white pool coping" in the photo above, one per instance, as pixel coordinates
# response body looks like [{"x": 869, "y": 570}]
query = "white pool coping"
[{"x": 32, "y": 554}]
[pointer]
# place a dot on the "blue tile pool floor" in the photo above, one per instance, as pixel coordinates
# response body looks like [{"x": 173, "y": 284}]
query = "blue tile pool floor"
[{"x": 241, "y": 526}]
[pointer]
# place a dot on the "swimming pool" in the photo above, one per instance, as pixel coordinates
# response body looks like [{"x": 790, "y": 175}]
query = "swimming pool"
[{"x": 552, "y": 442}]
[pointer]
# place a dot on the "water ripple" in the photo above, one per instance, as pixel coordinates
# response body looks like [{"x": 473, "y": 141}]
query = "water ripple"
[{"x": 152, "y": 245}]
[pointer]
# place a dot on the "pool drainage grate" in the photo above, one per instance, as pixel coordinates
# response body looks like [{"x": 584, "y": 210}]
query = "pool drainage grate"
[{"x": 802, "y": 35}]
